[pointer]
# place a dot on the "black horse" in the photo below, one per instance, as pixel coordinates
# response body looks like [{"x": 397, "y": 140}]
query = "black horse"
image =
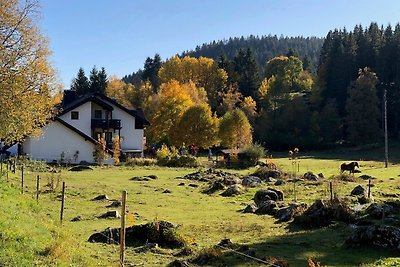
[{"x": 349, "y": 167}]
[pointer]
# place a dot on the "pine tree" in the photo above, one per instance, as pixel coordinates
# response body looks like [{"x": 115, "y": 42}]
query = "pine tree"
[
  {"x": 248, "y": 73},
  {"x": 363, "y": 116},
  {"x": 94, "y": 80},
  {"x": 102, "y": 80},
  {"x": 150, "y": 71},
  {"x": 81, "y": 83}
]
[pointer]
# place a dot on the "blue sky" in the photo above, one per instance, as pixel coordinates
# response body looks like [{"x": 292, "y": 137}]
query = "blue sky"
[{"x": 119, "y": 35}]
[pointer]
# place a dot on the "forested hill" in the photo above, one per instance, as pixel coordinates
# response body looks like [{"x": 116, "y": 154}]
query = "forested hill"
[{"x": 264, "y": 48}]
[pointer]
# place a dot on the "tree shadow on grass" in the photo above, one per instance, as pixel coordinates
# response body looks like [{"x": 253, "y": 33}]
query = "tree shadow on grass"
[{"x": 326, "y": 245}]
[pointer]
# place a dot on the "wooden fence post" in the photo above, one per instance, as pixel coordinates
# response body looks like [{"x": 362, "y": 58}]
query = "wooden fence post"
[
  {"x": 122, "y": 233},
  {"x": 331, "y": 190},
  {"x": 37, "y": 188},
  {"x": 22, "y": 179},
  {"x": 369, "y": 188},
  {"x": 1, "y": 164},
  {"x": 62, "y": 202}
]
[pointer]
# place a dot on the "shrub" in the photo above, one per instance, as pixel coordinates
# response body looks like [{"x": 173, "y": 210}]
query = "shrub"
[
  {"x": 140, "y": 162},
  {"x": 170, "y": 157},
  {"x": 250, "y": 155}
]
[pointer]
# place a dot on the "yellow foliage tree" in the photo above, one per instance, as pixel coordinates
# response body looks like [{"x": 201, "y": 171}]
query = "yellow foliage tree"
[
  {"x": 203, "y": 72},
  {"x": 197, "y": 126},
  {"x": 120, "y": 91},
  {"x": 235, "y": 130},
  {"x": 27, "y": 79},
  {"x": 171, "y": 101}
]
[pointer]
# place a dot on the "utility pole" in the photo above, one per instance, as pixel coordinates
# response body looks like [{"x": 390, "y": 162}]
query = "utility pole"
[{"x": 385, "y": 128}]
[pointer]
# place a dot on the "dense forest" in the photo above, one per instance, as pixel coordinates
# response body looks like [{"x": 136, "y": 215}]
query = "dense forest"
[
  {"x": 263, "y": 48},
  {"x": 285, "y": 92}
]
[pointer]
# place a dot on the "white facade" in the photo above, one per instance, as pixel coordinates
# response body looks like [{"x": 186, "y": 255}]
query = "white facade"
[
  {"x": 84, "y": 119},
  {"x": 55, "y": 140},
  {"x": 73, "y": 135},
  {"x": 132, "y": 139}
]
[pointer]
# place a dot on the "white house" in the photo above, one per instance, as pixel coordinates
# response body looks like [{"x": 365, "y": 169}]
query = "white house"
[{"x": 73, "y": 133}]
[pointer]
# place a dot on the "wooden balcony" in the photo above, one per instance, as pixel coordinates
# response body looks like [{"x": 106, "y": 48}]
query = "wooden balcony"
[{"x": 106, "y": 124}]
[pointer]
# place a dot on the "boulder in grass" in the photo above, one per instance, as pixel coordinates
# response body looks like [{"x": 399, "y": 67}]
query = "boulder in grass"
[
  {"x": 287, "y": 213},
  {"x": 100, "y": 197},
  {"x": 266, "y": 207},
  {"x": 251, "y": 181},
  {"x": 79, "y": 168},
  {"x": 279, "y": 182},
  {"x": 263, "y": 195},
  {"x": 383, "y": 236},
  {"x": 359, "y": 190},
  {"x": 110, "y": 214},
  {"x": 115, "y": 204},
  {"x": 161, "y": 232},
  {"x": 232, "y": 190},
  {"x": 311, "y": 176},
  {"x": 250, "y": 209}
]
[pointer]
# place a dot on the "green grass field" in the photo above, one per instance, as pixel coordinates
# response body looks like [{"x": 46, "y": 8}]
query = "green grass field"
[{"x": 31, "y": 235}]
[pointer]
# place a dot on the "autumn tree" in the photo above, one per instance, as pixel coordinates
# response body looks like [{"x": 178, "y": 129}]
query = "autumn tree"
[
  {"x": 168, "y": 106},
  {"x": 120, "y": 91},
  {"x": 235, "y": 130},
  {"x": 362, "y": 109},
  {"x": 203, "y": 72},
  {"x": 197, "y": 126},
  {"x": 26, "y": 76}
]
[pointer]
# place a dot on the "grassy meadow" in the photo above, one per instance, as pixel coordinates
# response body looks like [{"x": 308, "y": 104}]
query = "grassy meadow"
[{"x": 31, "y": 234}]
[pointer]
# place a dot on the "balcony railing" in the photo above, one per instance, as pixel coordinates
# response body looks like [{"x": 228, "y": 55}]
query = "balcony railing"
[{"x": 106, "y": 124}]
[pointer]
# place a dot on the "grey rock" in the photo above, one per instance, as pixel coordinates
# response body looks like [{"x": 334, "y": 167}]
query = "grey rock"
[
  {"x": 233, "y": 190},
  {"x": 266, "y": 207},
  {"x": 251, "y": 181},
  {"x": 358, "y": 190},
  {"x": 250, "y": 209}
]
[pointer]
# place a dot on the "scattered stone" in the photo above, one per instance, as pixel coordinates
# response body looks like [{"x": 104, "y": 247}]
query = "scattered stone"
[
  {"x": 364, "y": 200},
  {"x": 321, "y": 175},
  {"x": 287, "y": 213},
  {"x": 179, "y": 263},
  {"x": 376, "y": 211},
  {"x": 193, "y": 185},
  {"x": 181, "y": 184},
  {"x": 310, "y": 176},
  {"x": 152, "y": 176},
  {"x": 278, "y": 192},
  {"x": 231, "y": 180},
  {"x": 250, "y": 209},
  {"x": 264, "y": 173},
  {"x": 251, "y": 181},
  {"x": 270, "y": 180},
  {"x": 212, "y": 175},
  {"x": 167, "y": 191},
  {"x": 215, "y": 186},
  {"x": 279, "y": 182},
  {"x": 322, "y": 213},
  {"x": 115, "y": 204},
  {"x": 161, "y": 232},
  {"x": 358, "y": 190},
  {"x": 79, "y": 168},
  {"x": 366, "y": 177},
  {"x": 110, "y": 214},
  {"x": 140, "y": 179},
  {"x": 375, "y": 235},
  {"x": 263, "y": 195},
  {"x": 100, "y": 197},
  {"x": 232, "y": 190},
  {"x": 266, "y": 207},
  {"x": 76, "y": 219}
]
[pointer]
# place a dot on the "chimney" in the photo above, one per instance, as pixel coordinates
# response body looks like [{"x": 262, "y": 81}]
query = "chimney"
[{"x": 69, "y": 97}]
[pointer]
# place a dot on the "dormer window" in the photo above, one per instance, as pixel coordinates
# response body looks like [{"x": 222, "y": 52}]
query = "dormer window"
[
  {"x": 74, "y": 115},
  {"x": 98, "y": 114}
]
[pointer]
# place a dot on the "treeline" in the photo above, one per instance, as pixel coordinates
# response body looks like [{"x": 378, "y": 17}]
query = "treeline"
[
  {"x": 231, "y": 101},
  {"x": 264, "y": 48}
]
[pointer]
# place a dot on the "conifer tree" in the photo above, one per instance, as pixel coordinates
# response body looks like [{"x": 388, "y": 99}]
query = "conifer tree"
[{"x": 81, "y": 83}]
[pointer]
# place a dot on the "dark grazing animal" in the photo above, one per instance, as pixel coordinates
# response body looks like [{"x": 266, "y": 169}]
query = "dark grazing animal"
[{"x": 349, "y": 167}]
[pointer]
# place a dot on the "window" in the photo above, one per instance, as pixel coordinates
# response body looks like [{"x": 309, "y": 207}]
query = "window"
[
  {"x": 74, "y": 115},
  {"x": 97, "y": 114}
]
